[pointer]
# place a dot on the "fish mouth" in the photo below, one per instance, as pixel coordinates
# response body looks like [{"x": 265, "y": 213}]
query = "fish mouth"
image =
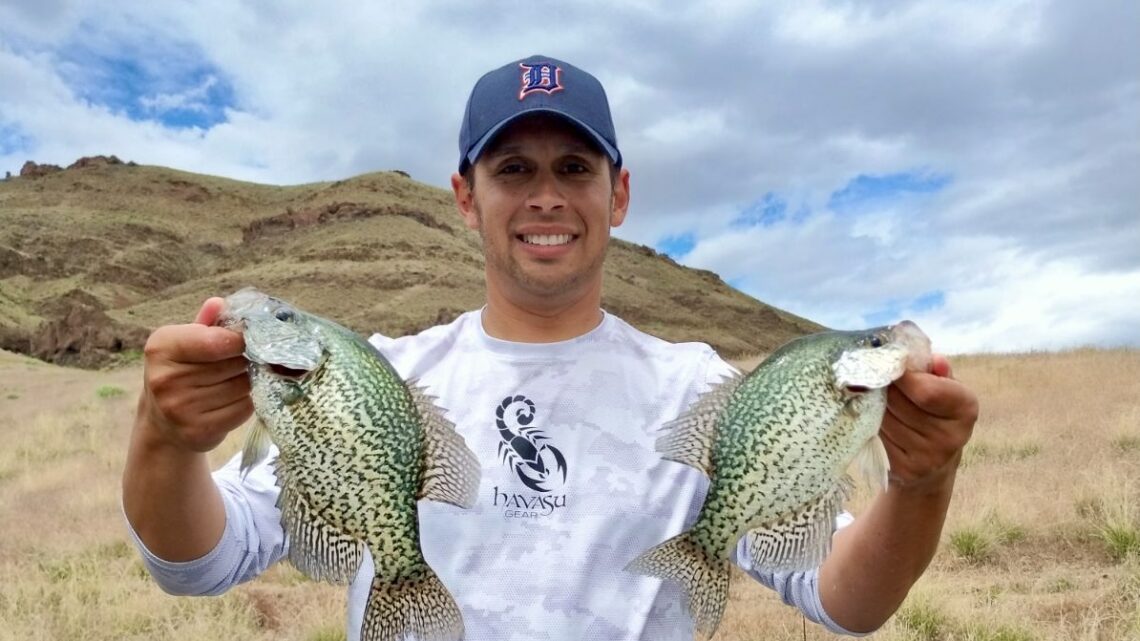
[
  {"x": 858, "y": 389},
  {"x": 287, "y": 372}
]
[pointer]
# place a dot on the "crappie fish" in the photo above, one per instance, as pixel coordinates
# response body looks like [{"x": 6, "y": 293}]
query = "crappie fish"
[
  {"x": 776, "y": 445},
  {"x": 357, "y": 447}
]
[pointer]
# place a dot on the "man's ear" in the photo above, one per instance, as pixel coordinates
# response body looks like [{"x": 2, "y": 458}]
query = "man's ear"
[
  {"x": 621, "y": 198},
  {"x": 465, "y": 201}
]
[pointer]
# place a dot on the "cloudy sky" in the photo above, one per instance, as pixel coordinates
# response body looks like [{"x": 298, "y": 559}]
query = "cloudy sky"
[{"x": 974, "y": 166}]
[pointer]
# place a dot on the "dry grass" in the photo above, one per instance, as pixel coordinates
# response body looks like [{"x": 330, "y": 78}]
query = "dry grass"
[
  {"x": 1040, "y": 542},
  {"x": 68, "y": 570}
]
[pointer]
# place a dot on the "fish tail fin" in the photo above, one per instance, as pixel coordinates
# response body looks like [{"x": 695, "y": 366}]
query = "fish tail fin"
[
  {"x": 416, "y": 606},
  {"x": 702, "y": 577}
]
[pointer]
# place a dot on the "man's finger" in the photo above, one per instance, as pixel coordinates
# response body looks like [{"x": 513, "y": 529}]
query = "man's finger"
[
  {"x": 208, "y": 314},
  {"x": 889, "y": 442},
  {"x": 230, "y": 417},
  {"x": 216, "y": 424},
  {"x": 198, "y": 344},
  {"x": 935, "y": 395},
  {"x": 907, "y": 426},
  {"x": 220, "y": 372}
]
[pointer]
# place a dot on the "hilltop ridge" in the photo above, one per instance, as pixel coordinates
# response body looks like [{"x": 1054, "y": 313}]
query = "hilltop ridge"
[{"x": 94, "y": 256}]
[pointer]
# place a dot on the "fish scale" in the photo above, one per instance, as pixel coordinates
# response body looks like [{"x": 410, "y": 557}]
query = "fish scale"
[
  {"x": 776, "y": 445},
  {"x": 338, "y": 463},
  {"x": 357, "y": 447}
]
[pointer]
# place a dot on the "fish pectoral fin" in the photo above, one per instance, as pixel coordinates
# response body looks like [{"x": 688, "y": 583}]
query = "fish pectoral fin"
[
  {"x": 256, "y": 446},
  {"x": 803, "y": 539},
  {"x": 688, "y": 439},
  {"x": 316, "y": 548},
  {"x": 873, "y": 464},
  {"x": 450, "y": 469}
]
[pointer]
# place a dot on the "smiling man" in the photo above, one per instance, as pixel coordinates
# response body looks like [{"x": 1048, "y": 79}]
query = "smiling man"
[{"x": 560, "y": 401}]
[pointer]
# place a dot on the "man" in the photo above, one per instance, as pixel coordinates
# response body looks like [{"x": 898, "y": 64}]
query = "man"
[{"x": 559, "y": 401}]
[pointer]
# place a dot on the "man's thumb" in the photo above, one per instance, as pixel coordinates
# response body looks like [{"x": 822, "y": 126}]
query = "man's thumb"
[
  {"x": 941, "y": 367},
  {"x": 208, "y": 315}
]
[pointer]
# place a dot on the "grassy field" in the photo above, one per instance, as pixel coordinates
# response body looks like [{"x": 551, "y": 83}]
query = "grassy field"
[{"x": 1043, "y": 539}]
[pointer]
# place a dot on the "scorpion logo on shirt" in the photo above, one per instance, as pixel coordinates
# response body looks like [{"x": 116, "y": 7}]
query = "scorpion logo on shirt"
[{"x": 524, "y": 448}]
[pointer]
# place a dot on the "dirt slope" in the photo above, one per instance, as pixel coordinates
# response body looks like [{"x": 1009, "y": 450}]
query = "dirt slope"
[{"x": 94, "y": 256}]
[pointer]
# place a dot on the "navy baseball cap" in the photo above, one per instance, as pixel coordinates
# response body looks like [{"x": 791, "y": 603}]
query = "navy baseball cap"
[{"x": 537, "y": 84}]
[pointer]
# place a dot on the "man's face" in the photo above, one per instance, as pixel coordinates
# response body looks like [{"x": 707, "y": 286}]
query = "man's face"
[{"x": 543, "y": 201}]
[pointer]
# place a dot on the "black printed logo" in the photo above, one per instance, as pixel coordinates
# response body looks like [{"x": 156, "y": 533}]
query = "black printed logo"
[{"x": 525, "y": 449}]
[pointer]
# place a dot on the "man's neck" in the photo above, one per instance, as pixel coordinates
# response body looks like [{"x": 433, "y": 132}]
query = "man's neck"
[{"x": 540, "y": 321}]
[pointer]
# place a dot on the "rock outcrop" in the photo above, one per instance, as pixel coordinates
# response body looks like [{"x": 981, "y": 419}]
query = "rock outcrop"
[
  {"x": 81, "y": 334},
  {"x": 32, "y": 169}
]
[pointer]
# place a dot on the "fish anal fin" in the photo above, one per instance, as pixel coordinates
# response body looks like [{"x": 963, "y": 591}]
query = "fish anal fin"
[
  {"x": 689, "y": 438},
  {"x": 801, "y": 540},
  {"x": 450, "y": 468}
]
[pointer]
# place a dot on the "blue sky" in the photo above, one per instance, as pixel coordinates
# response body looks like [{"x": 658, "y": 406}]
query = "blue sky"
[
  {"x": 970, "y": 166},
  {"x": 863, "y": 191},
  {"x": 13, "y": 139},
  {"x": 195, "y": 97}
]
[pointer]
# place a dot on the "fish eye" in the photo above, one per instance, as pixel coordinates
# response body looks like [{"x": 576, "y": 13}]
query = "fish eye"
[
  {"x": 876, "y": 341},
  {"x": 284, "y": 315}
]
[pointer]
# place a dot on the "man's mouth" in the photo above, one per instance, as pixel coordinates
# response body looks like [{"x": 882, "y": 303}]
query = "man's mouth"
[{"x": 546, "y": 240}]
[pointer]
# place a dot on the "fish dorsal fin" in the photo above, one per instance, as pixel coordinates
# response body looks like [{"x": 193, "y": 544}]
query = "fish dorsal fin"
[
  {"x": 450, "y": 469},
  {"x": 873, "y": 464},
  {"x": 256, "y": 446},
  {"x": 318, "y": 550},
  {"x": 801, "y": 540},
  {"x": 689, "y": 438}
]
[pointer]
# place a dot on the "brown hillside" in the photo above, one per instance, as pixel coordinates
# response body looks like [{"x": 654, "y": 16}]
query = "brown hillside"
[{"x": 94, "y": 256}]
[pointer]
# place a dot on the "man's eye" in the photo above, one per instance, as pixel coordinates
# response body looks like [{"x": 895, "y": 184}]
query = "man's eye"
[
  {"x": 512, "y": 168},
  {"x": 575, "y": 168}
]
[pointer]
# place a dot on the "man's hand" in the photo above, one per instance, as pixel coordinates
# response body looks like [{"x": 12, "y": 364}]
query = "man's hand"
[
  {"x": 195, "y": 387},
  {"x": 877, "y": 559},
  {"x": 195, "y": 391},
  {"x": 929, "y": 419}
]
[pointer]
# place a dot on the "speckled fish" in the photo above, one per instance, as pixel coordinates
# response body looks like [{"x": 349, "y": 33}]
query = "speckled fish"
[
  {"x": 356, "y": 448},
  {"x": 776, "y": 446}
]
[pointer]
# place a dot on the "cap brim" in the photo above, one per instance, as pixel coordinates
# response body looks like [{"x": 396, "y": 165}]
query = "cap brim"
[{"x": 477, "y": 149}]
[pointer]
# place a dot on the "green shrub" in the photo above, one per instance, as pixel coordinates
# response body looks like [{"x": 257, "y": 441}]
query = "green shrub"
[
  {"x": 922, "y": 621},
  {"x": 109, "y": 391},
  {"x": 971, "y": 544}
]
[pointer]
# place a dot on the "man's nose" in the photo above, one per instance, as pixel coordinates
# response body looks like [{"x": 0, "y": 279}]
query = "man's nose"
[{"x": 546, "y": 195}]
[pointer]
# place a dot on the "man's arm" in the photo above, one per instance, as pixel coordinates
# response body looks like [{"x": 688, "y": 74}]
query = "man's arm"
[
  {"x": 195, "y": 391},
  {"x": 876, "y": 559}
]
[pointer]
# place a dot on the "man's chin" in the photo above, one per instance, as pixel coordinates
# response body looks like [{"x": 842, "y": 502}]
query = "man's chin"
[{"x": 551, "y": 285}]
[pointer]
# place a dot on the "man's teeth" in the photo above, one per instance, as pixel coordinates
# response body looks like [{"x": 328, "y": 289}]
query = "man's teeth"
[{"x": 555, "y": 239}]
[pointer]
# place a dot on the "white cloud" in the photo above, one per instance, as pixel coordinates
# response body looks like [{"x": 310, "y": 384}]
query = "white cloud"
[
  {"x": 192, "y": 99},
  {"x": 1030, "y": 304},
  {"x": 1031, "y": 109}
]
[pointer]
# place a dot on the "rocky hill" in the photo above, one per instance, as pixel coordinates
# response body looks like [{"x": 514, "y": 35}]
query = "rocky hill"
[{"x": 95, "y": 255}]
